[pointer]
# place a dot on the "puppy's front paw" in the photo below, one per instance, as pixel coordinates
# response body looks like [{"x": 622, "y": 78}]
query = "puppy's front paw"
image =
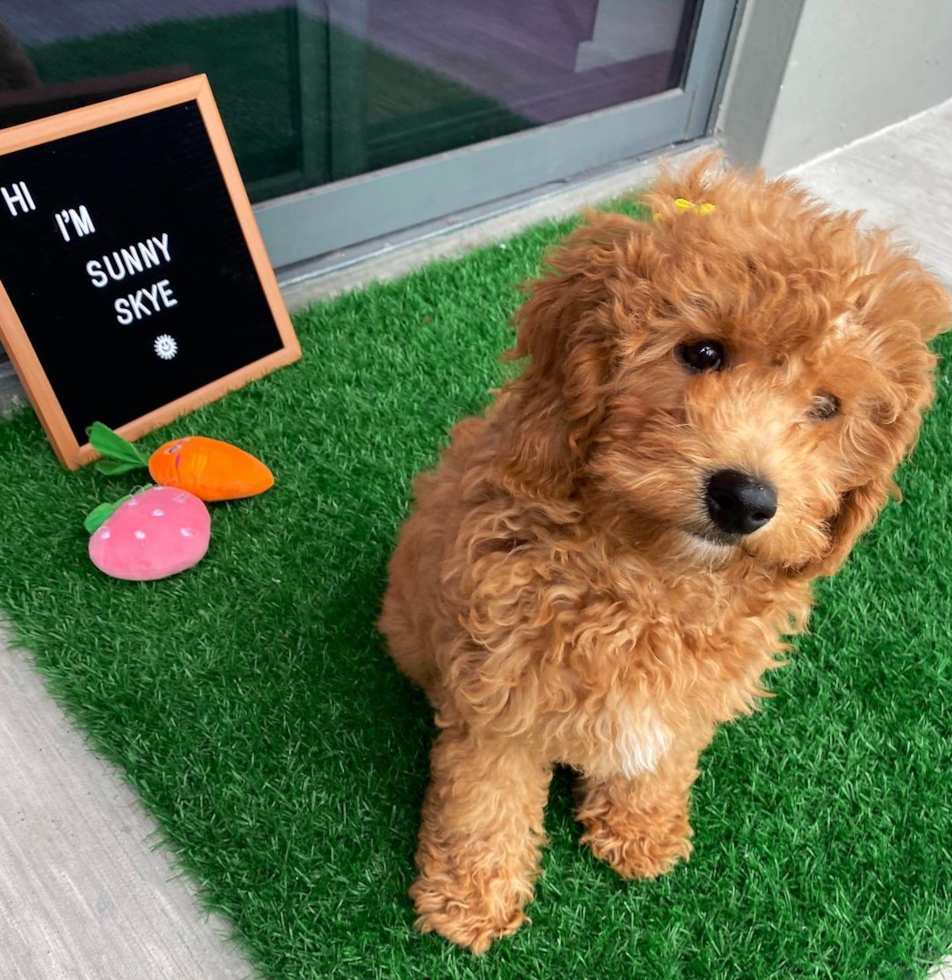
[
  {"x": 638, "y": 845},
  {"x": 468, "y": 910}
]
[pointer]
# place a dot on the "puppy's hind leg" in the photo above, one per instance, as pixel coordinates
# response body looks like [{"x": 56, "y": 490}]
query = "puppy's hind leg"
[
  {"x": 408, "y": 648},
  {"x": 479, "y": 838},
  {"x": 639, "y": 825}
]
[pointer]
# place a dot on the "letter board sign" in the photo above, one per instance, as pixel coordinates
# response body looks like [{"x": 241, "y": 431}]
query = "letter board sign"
[{"x": 134, "y": 285}]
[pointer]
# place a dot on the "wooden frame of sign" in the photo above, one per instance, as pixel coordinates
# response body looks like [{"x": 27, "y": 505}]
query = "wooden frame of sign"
[{"x": 14, "y": 334}]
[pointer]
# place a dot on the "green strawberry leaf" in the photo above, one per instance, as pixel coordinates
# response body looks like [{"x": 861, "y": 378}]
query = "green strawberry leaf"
[
  {"x": 102, "y": 512},
  {"x": 99, "y": 515},
  {"x": 114, "y": 448}
]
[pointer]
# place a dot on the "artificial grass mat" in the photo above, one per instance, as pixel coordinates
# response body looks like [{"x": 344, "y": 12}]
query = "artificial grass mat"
[{"x": 252, "y": 706}]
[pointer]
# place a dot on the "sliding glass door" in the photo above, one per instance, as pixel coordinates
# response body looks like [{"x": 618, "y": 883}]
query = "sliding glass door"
[
  {"x": 352, "y": 119},
  {"x": 411, "y": 78},
  {"x": 434, "y": 106}
]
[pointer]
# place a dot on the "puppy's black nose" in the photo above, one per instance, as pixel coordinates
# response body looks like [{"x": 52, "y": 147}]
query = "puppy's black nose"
[{"x": 739, "y": 504}]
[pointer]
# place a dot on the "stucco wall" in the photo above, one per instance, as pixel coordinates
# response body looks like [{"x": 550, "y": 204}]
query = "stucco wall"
[{"x": 854, "y": 66}]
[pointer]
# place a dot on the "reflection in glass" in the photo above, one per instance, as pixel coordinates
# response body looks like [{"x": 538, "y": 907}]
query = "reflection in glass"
[{"x": 320, "y": 90}]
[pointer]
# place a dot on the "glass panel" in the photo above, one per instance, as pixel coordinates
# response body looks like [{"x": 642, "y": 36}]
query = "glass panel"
[
  {"x": 440, "y": 74},
  {"x": 56, "y": 55},
  {"x": 316, "y": 90}
]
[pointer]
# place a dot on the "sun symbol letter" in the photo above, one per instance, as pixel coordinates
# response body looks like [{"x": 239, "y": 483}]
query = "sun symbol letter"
[{"x": 165, "y": 347}]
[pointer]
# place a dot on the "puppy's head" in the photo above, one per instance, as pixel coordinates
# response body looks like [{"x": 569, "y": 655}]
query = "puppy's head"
[{"x": 740, "y": 376}]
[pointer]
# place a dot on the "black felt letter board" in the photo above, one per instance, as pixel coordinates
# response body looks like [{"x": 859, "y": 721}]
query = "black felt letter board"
[{"x": 124, "y": 259}]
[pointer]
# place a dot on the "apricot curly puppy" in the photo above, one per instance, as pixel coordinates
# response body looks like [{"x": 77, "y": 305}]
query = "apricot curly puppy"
[{"x": 603, "y": 565}]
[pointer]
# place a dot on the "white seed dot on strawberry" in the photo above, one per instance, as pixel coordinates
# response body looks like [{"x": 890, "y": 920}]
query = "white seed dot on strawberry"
[
  {"x": 105, "y": 533},
  {"x": 158, "y": 512},
  {"x": 188, "y": 532},
  {"x": 140, "y": 535}
]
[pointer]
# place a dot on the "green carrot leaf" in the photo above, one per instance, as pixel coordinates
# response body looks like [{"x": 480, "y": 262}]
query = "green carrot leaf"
[
  {"x": 113, "y": 447},
  {"x": 113, "y": 466}
]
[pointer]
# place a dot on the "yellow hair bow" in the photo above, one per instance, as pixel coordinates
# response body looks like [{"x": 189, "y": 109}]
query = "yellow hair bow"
[{"x": 682, "y": 205}]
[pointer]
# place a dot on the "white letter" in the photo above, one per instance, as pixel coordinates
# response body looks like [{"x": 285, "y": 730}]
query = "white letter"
[
  {"x": 138, "y": 307},
  {"x": 133, "y": 262},
  {"x": 148, "y": 254},
  {"x": 62, "y": 226},
  {"x": 166, "y": 293},
  {"x": 122, "y": 309},
  {"x": 19, "y": 196},
  {"x": 153, "y": 293},
  {"x": 163, "y": 244},
  {"x": 120, "y": 270},
  {"x": 94, "y": 269},
  {"x": 81, "y": 221}
]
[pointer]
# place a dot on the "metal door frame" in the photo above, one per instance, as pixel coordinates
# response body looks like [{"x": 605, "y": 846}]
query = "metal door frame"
[{"x": 297, "y": 227}]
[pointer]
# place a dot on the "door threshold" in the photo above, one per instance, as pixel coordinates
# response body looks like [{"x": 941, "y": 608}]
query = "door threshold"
[{"x": 391, "y": 256}]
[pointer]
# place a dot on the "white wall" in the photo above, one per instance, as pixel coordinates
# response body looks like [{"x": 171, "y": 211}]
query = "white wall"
[{"x": 856, "y": 66}]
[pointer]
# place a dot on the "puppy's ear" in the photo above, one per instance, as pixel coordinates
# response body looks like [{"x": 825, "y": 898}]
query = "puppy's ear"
[
  {"x": 567, "y": 330},
  {"x": 896, "y": 286},
  {"x": 933, "y": 313},
  {"x": 858, "y": 512},
  {"x": 902, "y": 306}
]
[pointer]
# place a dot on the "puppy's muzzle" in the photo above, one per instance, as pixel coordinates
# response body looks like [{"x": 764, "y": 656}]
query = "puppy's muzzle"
[{"x": 738, "y": 503}]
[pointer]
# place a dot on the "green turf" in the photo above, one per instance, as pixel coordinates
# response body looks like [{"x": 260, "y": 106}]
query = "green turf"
[{"x": 252, "y": 706}]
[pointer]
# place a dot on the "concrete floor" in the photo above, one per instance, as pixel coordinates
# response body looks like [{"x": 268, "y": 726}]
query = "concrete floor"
[
  {"x": 902, "y": 178},
  {"x": 83, "y": 894}
]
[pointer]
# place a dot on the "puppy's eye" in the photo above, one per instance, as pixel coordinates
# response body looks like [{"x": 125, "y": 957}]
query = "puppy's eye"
[
  {"x": 702, "y": 355},
  {"x": 825, "y": 406}
]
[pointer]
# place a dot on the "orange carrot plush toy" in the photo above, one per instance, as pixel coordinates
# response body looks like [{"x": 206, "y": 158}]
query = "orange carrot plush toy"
[{"x": 208, "y": 468}]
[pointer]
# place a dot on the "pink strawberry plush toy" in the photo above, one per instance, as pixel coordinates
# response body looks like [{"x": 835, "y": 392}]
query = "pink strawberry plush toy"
[{"x": 152, "y": 534}]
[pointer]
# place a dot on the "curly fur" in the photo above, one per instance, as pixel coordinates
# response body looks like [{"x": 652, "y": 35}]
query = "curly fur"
[{"x": 556, "y": 591}]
